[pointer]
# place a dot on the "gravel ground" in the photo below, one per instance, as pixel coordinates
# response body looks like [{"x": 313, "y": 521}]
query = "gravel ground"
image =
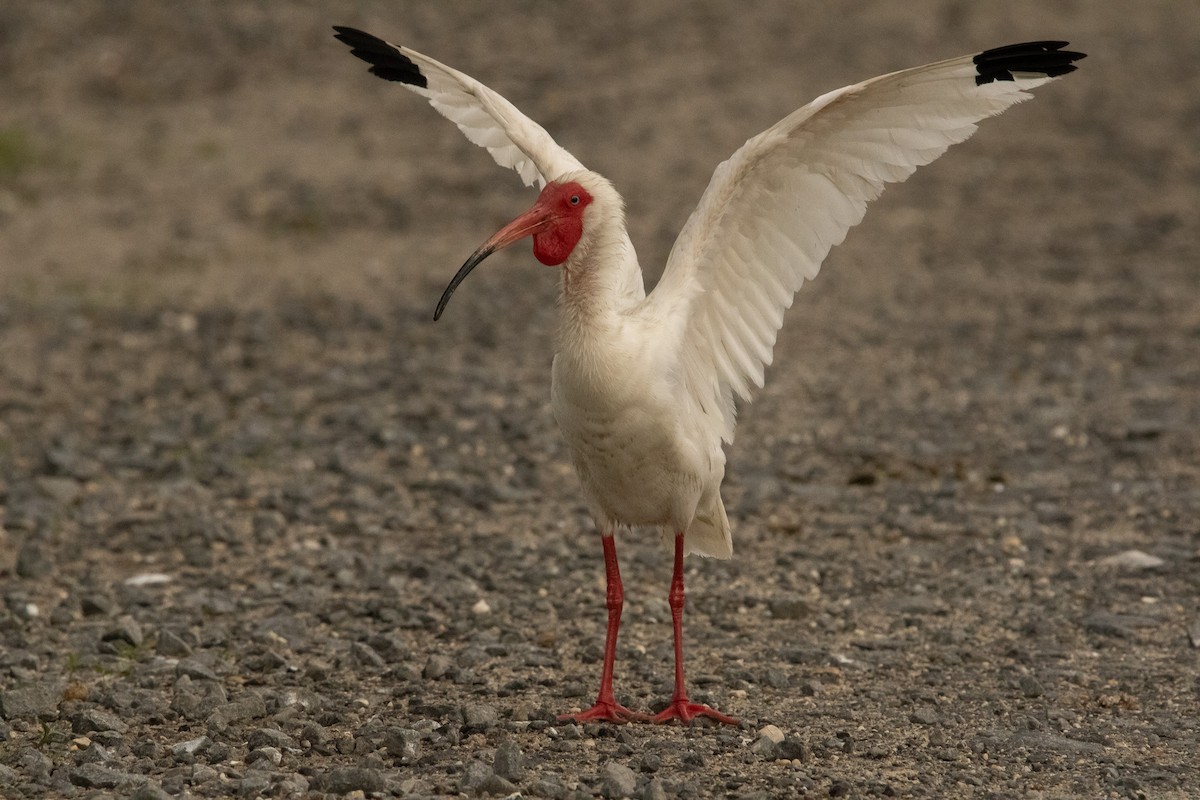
[{"x": 266, "y": 530}]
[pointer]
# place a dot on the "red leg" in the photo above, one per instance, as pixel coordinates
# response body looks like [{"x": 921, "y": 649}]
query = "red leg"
[
  {"x": 681, "y": 708},
  {"x": 607, "y": 709}
]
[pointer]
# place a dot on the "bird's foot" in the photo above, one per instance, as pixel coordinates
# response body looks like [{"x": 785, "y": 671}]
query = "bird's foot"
[
  {"x": 685, "y": 711},
  {"x": 606, "y": 711}
]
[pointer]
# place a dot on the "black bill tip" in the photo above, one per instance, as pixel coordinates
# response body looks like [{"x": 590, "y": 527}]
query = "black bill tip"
[
  {"x": 1025, "y": 60},
  {"x": 465, "y": 270},
  {"x": 385, "y": 59}
]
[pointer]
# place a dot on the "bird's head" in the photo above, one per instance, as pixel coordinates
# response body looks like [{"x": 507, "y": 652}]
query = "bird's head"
[{"x": 555, "y": 222}]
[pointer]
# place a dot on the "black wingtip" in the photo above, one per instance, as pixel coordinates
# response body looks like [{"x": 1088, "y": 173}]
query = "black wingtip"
[
  {"x": 1027, "y": 58},
  {"x": 386, "y": 61}
]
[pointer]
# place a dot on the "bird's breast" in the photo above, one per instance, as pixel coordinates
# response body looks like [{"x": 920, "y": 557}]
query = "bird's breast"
[{"x": 636, "y": 460}]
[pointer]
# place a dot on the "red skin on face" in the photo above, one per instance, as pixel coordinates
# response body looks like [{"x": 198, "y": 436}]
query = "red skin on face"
[{"x": 565, "y": 204}]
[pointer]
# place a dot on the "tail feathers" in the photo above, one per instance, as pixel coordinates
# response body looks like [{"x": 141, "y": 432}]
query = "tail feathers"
[{"x": 709, "y": 533}]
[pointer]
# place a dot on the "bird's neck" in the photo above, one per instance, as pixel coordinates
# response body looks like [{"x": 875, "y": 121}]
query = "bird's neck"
[{"x": 600, "y": 281}]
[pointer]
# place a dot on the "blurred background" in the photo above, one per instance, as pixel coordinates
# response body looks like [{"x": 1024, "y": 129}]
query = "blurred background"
[{"x": 188, "y": 153}]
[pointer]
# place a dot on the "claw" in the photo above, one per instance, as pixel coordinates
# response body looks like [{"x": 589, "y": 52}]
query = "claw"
[
  {"x": 606, "y": 712},
  {"x": 686, "y": 711}
]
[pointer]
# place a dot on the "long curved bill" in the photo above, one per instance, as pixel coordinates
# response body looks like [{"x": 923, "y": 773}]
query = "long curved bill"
[{"x": 529, "y": 223}]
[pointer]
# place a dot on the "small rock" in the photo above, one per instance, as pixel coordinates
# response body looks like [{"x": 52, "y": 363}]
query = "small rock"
[
  {"x": 1131, "y": 561},
  {"x": 403, "y": 743},
  {"x": 349, "y": 779},
  {"x": 479, "y": 716},
  {"x": 497, "y": 785},
  {"x": 474, "y": 777},
  {"x": 766, "y": 746},
  {"x": 271, "y": 755},
  {"x": 472, "y": 657},
  {"x": 366, "y": 655},
  {"x": 617, "y": 781},
  {"x": 509, "y": 762},
  {"x": 248, "y": 706},
  {"x": 149, "y": 791},
  {"x": 203, "y": 774},
  {"x": 32, "y": 561},
  {"x": 1120, "y": 626},
  {"x": 776, "y": 679},
  {"x": 255, "y": 783},
  {"x": 654, "y": 790},
  {"x": 39, "y": 701},
  {"x": 96, "y": 605},
  {"x": 62, "y": 490},
  {"x": 95, "y": 719},
  {"x": 481, "y": 608},
  {"x": 549, "y": 786},
  {"x": 127, "y": 630},
  {"x": 924, "y": 716},
  {"x": 436, "y": 667},
  {"x": 94, "y": 776},
  {"x": 269, "y": 737},
  {"x": 93, "y": 753},
  {"x": 187, "y": 751},
  {"x": 792, "y": 748},
  {"x": 789, "y": 608},
  {"x": 195, "y": 670},
  {"x": 771, "y": 732},
  {"x": 172, "y": 646}
]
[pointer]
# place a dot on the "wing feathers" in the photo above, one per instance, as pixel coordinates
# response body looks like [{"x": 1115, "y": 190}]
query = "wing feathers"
[
  {"x": 484, "y": 117},
  {"x": 772, "y": 212}
]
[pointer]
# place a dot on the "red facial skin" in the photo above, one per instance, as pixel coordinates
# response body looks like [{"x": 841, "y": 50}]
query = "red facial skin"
[{"x": 564, "y": 205}]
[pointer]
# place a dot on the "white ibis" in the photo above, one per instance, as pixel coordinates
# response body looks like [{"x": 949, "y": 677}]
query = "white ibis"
[{"x": 644, "y": 386}]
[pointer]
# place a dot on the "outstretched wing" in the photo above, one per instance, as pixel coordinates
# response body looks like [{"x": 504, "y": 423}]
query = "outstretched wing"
[
  {"x": 771, "y": 212},
  {"x": 484, "y": 117}
]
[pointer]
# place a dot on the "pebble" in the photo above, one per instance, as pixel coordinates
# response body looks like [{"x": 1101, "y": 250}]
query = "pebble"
[
  {"x": 654, "y": 790},
  {"x": 769, "y": 738},
  {"x": 38, "y": 701},
  {"x": 1131, "y": 561},
  {"x": 195, "y": 670},
  {"x": 269, "y": 737},
  {"x": 479, "y": 716},
  {"x": 95, "y": 719},
  {"x": 509, "y": 762},
  {"x": 270, "y": 754},
  {"x": 793, "y": 748},
  {"x": 33, "y": 561},
  {"x": 366, "y": 655},
  {"x": 170, "y": 645},
  {"x": 248, "y": 706},
  {"x": 549, "y": 786},
  {"x": 95, "y": 776},
  {"x": 474, "y": 776},
  {"x": 349, "y": 779},
  {"x": 438, "y": 666},
  {"x": 188, "y": 750},
  {"x": 149, "y": 791},
  {"x": 924, "y": 716},
  {"x": 127, "y": 630},
  {"x": 96, "y": 605},
  {"x": 617, "y": 780}
]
